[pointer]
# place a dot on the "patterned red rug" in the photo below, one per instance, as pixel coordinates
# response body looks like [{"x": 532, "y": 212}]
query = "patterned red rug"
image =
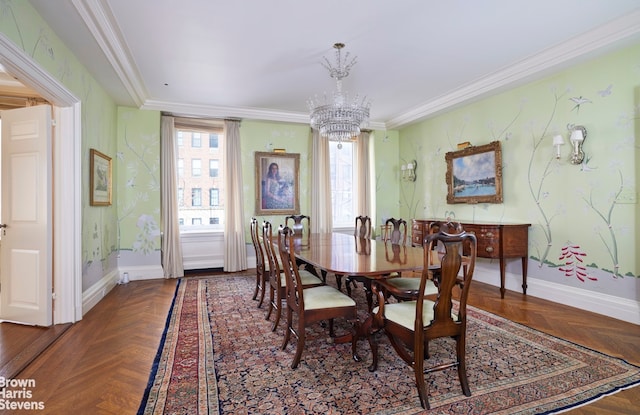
[{"x": 219, "y": 355}]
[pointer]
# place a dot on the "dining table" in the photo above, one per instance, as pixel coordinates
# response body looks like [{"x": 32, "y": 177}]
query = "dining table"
[{"x": 350, "y": 255}]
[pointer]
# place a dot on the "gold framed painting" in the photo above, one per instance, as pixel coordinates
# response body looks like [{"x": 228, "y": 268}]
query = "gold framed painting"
[
  {"x": 100, "y": 181},
  {"x": 277, "y": 183},
  {"x": 474, "y": 174}
]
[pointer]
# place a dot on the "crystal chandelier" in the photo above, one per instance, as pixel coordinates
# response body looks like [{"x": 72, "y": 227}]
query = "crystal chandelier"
[{"x": 339, "y": 119}]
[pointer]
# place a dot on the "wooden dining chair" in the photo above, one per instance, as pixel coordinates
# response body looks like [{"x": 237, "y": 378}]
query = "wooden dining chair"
[
  {"x": 363, "y": 227},
  {"x": 406, "y": 287},
  {"x": 411, "y": 325},
  {"x": 311, "y": 305},
  {"x": 300, "y": 224},
  {"x": 275, "y": 276},
  {"x": 397, "y": 232},
  {"x": 260, "y": 261}
]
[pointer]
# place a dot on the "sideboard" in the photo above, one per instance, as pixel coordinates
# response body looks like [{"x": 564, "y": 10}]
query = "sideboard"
[{"x": 495, "y": 240}]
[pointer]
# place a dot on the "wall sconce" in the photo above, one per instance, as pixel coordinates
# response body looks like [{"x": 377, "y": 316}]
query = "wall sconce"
[
  {"x": 409, "y": 171},
  {"x": 576, "y": 137},
  {"x": 578, "y": 134}
]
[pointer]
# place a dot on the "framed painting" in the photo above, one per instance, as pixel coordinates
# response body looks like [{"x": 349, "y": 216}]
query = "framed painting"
[
  {"x": 277, "y": 183},
  {"x": 100, "y": 179},
  {"x": 474, "y": 174}
]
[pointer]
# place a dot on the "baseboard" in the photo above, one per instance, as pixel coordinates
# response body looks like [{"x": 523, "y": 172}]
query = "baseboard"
[
  {"x": 97, "y": 291},
  {"x": 141, "y": 272},
  {"x": 608, "y": 305}
]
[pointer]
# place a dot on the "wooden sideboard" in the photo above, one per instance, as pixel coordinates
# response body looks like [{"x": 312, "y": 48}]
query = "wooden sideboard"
[{"x": 495, "y": 240}]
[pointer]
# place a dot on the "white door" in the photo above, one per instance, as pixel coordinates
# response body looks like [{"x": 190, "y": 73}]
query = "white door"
[{"x": 26, "y": 238}]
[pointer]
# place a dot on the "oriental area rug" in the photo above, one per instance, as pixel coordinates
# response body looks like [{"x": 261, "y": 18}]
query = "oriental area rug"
[{"x": 218, "y": 355}]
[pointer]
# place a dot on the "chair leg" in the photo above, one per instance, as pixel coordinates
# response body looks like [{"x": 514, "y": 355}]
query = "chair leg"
[
  {"x": 278, "y": 306},
  {"x": 257, "y": 289},
  {"x": 271, "y": 302},
  {"x": 462, "y": 366},
  {"x": 263, "y": 286},
  {"x": 418, "y": 368},
  {"x": 287, "y": 332},
  {"x": 299, "y": 345}
]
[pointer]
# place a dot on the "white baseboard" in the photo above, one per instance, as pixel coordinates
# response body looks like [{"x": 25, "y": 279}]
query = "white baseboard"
[
  {"x": 97, "y": 291},
  {"x": 608, "y": 305},
  {"x": 141, "y": 272}
]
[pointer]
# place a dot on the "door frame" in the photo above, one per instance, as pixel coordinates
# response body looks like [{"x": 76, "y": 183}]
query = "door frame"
[{"x": 67, "y": 173}]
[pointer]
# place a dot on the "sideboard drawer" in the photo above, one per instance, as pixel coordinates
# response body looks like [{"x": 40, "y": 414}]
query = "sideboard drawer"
[{"x": 488, "y": 238}]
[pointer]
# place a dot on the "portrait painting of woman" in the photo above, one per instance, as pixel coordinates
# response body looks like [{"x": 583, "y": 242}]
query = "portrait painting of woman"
[{"x": 277, "y": 181}]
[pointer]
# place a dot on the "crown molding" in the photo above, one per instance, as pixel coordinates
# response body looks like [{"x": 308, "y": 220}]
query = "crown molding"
[
  {"x": 538, "y": 65},
  {"x": 100, "y": 21}
]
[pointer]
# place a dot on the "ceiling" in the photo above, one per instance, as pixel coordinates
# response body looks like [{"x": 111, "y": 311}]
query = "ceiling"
[{"x": 261, "y": 59}]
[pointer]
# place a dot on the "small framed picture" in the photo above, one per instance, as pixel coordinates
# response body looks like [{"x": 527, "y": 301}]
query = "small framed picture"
[
  {"x": 474, "y": 174},
  {"x": 100, "y": 179},
  {"x": 277, "y": 183}
]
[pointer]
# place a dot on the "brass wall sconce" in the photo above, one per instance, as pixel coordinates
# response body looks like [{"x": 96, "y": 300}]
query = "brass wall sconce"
[
  {"x": 409, "y": 171},
  {"x": 577, "y": 136}
]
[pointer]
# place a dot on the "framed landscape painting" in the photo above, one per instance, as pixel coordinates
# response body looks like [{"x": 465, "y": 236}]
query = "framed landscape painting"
[
  {"x": 277, "y": 183},
  {"x": 99, "y": 179},
  {"x": 474, "y": 174}
]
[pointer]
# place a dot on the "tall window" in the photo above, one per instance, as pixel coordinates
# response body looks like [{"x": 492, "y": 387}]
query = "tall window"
[
  {"x": 343, "y": 184},
  {"x": 203, "y": 142}
]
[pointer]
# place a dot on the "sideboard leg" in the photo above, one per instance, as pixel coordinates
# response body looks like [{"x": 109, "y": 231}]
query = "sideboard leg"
[
  {"x": 502, "y": 270},
  {"x": 525, "y": 261}
]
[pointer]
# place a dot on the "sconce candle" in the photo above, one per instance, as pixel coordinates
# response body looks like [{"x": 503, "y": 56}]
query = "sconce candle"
[
  {"x": 558, "y": 141},
  {"x": 409, "y": 171}
]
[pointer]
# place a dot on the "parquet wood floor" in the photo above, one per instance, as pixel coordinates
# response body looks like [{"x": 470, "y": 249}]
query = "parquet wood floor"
[{"x": 101, "y": 364}]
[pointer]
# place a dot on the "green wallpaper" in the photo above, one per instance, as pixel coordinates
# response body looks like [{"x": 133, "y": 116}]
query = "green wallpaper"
[
  {"x": 572, "y": 209},
  {"x": 20, "y": 23}
]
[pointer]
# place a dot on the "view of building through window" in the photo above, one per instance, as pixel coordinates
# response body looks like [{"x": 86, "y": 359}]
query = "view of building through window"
[
  {"x": 200, "y": 189},
  {"x": 342, "y": 184}
]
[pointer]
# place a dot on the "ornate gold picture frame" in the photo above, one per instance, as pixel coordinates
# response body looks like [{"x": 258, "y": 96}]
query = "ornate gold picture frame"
[
  {"x": 474, "y": 174},
  {"x": 277, "y": 183},
  {"x": 100, "y": 179}
]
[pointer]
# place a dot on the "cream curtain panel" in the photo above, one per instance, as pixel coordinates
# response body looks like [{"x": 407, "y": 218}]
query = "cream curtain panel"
[
  {"x": 235, "y": 252},
  {"x": 321, "y": 211},
  {"x": 364, "y": 181},
  {"x": 171, "y": 246}
]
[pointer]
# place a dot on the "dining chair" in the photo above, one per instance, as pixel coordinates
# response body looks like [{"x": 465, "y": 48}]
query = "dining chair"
[
  {"x": 298, "y": 223},
  {"x": 311, "y": 305},
  {"x": 363, "y": 227},
  {"x": 411, "y": 325},
  {"x": 406, "y": 287},
  {"x": 275, "y": 275},
  {"x": 260, "y": 261},
  {"x": 397, "y": 232}
]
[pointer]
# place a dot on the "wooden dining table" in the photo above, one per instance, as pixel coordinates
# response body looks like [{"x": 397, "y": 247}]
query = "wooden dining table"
[{"x": 349, "y": 255}]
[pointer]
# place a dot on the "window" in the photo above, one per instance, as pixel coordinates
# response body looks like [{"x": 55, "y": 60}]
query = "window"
[
  {"x": 214, "y": 197},
  {"x": 196, "y": 140},
  {"x": 213, "y": 168},
  {"x": 196, "y": 167},
  {"x": 181, "y": 221},
  {"x": 200, "y": 193},
  {"x": 342, "y": 184},
  {"x": 213, "y": 140},
  {"x": 180, "y": 139},
  {"x": 196, "y": 197}
]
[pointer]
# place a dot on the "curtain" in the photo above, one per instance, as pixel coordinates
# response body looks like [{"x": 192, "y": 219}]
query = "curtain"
[
  {"x": 321, "y": 211},
  {"x": 363, "y": 175},
  {"x": 235, "y": 252},
  {"x": 171, "y": 245}
]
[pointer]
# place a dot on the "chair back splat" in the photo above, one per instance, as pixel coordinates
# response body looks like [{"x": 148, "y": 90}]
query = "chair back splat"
[
  {"x": 363, "y": 227},
  {"x": 300, "y": 224},
  {"x": 260, "y": 262},
  {"x": 398, "y": 232},
  {"x": 411, "y": 325}
]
